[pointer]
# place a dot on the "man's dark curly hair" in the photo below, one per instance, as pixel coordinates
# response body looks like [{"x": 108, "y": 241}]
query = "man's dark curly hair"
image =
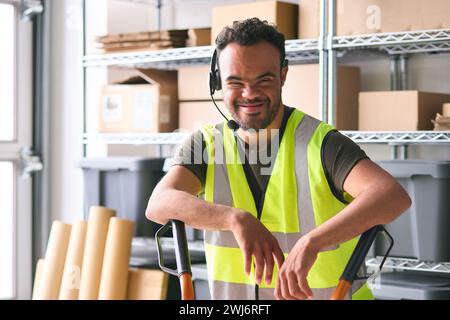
[{"x": 251, "y": 31}]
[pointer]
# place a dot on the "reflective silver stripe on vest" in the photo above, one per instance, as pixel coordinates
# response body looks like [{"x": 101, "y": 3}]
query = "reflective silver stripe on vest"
[
  {"x": 237, "y": 291},
  {"x": 303, "y": 134}
]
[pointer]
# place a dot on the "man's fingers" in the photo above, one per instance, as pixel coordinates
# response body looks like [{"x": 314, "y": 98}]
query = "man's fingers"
[
  {"x": 278, "y": 294},
  {"x": 247, "y": 262},
  {"x": 304, "y": 286},
  {"x": 279, "y": 257},
  {"x": 294, "y": 288},
  {"x": 268, "y": 268},
  {"x": 284, "y": 286},
  {"x": 259, "y": 267}
]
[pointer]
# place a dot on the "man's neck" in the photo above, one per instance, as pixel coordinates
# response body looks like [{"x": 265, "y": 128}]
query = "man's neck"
[{"x": 252, "y": 136}]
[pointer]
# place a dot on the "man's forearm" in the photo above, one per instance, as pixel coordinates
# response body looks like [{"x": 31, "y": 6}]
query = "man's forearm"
[
  {"x": 377, "y": 205},
  {"x": 172, "y": 204}
]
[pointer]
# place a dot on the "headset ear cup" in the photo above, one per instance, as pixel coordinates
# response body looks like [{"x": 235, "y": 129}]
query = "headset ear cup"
[
  {"x": 217, "y": 79},
  {"x": 212, "y": 82}
]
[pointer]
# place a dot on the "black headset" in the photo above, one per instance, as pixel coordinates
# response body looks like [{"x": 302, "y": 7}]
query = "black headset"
[{"x": 215, "y": 84}]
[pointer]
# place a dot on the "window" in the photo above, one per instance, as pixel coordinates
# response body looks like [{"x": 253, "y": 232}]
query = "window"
[
  {"x": 7, "y": 77},
  {"x": 6, "y": 230}
]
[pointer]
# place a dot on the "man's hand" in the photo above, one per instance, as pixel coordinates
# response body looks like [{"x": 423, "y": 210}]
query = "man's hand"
[
  {"x": 255, "y": 240},
  {"x": 292, "y": 283}
]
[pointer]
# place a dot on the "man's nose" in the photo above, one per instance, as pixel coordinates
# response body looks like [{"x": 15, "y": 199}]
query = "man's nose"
[{"x": 250, "y": 92}]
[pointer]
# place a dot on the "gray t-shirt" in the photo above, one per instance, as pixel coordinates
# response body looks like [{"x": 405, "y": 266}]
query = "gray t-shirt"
[{"x": 339, "y": 156}]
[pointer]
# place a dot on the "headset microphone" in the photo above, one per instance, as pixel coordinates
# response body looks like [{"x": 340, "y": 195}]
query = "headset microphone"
[{"x": 215, "y": 84}]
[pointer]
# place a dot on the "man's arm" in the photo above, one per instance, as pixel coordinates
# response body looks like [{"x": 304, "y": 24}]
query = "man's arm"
[
  {"x": 378, "y": 199},
  {"x": 175, "y": 198}
]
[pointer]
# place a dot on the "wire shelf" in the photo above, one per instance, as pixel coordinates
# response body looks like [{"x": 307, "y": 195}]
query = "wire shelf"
[
  {"x": 172, "y": 138},
  {"x": 399, "y": 137},
  {"x": 395, "y": 137},
  {"x": 398, "y": 42},
  {"x": 409, "y": 264},
  {"x": 296, "y": 50}
]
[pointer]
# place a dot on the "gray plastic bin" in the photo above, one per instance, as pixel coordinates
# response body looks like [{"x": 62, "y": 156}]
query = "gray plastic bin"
[
  {"x": 412, "y": 285},
  {"x": 423, "y": 231},
  {"x": 200, "y": 281},
  {"x": 123, "y": 184}
]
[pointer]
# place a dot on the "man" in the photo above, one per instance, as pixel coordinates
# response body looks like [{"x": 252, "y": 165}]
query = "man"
[{"x": 295, "y": 226}]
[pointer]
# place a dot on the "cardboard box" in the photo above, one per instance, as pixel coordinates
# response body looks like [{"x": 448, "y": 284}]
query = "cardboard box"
[
  {"x": 146, "y": 103},
  {"x": 283, "y": 15},
  {"x": 195, "y": 114},
  {"x": 301, "y": 90},
  {"x": 399, "y": 110},
  {"x": 373, "y": 16},
  {"x": 446, "y": 109},
  {"x": 193, "y": 84},
  {"x": 199, "y": 37}
]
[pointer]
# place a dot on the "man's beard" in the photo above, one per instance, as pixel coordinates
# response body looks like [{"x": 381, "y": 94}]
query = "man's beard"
[{"x": 256, "y": 123}]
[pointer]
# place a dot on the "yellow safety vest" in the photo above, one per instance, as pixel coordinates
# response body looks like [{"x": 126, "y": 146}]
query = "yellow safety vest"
[{"x": 297, "y": 199}]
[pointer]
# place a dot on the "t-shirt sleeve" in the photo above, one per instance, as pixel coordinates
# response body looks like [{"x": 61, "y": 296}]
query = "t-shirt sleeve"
[
  {"x": 190, "y": 154},
  {"x": 339, "y": 155}
]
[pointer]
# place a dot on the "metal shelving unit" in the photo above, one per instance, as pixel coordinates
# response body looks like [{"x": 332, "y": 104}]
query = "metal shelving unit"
[
  {"x": 399, "y": 137},
  {"x": 326, "y": 49},
  {"x": 400, "y": 264},
  {"x": 172, "y": 138},
  {"x": 363, "y": 137},
  {"x": 398, "y": 42},
  {"x": 296, "y": 51}
]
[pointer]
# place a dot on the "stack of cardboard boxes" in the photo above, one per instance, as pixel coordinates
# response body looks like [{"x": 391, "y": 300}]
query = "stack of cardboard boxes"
[
  {"x": 374, "y": 16},
  {"x": 149, "y": 103}
]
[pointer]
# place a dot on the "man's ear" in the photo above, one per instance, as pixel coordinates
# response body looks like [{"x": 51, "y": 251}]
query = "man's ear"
[{"x": 284, "y": 71}]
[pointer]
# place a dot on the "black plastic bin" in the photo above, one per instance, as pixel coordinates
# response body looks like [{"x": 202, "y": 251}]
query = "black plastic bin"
[{"x": 123, "y": 184}]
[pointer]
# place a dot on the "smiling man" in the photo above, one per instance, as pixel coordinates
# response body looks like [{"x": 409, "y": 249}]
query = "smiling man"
[{"x": 283, "y": 228}]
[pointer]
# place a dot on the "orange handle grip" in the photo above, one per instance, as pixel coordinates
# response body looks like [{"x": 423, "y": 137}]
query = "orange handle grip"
[
  {"x": 187, "y": 288},
  {"x": 341, "y": 290}
]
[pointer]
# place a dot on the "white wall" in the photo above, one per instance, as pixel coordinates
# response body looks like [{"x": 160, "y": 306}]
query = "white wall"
[{"x": 66, "y": 105}]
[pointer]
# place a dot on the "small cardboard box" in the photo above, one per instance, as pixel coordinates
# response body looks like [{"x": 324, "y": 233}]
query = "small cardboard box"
[
  {"x": 283, "y": 15},
  {"x": 301, "y": 90},
  {"x": 193, "y": 84},
  {"x": 195, "y": 114},
  {"x": 446, "y": 109},
  {"x": 146, "y": 103},
  {"x": 399, "y": 110},
  {"x": 199, "y": 37},
  {"x": 373, "y": 16}
]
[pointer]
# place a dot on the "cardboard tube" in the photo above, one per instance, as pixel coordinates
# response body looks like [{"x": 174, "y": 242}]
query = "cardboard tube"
[
  {"x": 114, "y": 279},
  {"x": 37, "y": 277},
  {"x": 446, "y": 110},
  {"x": 147, "y": 284},
  {"x": 55, "y": 256},
  {"x": 93, "y": 252},
  {"x": 70, "y": 284}
]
